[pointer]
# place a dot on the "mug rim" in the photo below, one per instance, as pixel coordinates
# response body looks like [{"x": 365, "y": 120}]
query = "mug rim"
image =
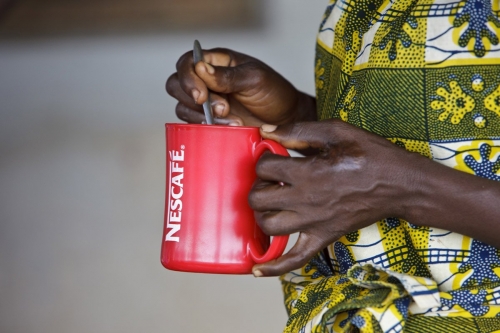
[{"x": 211, "y": 126}]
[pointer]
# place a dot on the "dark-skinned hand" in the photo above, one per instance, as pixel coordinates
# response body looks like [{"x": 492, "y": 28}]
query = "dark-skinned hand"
[
  {"x": 356, "y": 179},
  {"x": 244, "y": 91},
  {"x": 352, "y": 182}
]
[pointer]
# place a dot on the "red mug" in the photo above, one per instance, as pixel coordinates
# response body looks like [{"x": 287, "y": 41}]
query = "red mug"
[{"x": 209, "y": 226}]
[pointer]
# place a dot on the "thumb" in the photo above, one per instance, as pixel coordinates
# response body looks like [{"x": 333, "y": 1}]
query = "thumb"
[
  {"x": 304, "y": 249},
  {"x": 230, "y": 79},
  {"x": 300, "y": 135}
]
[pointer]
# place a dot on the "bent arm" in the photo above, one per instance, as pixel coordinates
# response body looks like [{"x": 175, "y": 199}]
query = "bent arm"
[{"x": 356, "y": 179}]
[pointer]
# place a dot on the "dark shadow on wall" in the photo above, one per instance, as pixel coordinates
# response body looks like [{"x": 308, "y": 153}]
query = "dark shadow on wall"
[{"x": 42, "y": 18}]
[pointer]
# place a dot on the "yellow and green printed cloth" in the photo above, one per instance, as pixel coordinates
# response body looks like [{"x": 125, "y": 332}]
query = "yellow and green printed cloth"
[{"x": 425, "y": 74}]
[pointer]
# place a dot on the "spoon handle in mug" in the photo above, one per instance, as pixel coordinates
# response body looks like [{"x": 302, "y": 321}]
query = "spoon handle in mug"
[{"x": 197, "y": 57}]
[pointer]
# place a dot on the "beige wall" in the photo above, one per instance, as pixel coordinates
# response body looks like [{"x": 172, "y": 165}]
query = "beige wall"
[{"x": 82, "y": 183}]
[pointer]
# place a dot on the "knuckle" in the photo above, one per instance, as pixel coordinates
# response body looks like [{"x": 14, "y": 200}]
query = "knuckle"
[
  {"x": 300, "y": 259},
  {"x": 172, "y": 84},
  {"x": 336, "y": 125},
  {"x": 259, "y": 74},
  {"x": 181, "y": 112},
  {"x": 220, "y": 50},
  {"x": 280, "y": 270},
  {"x": 262, "y": 164},
  {"x": 227, "y": 79},
  {"x": 266, "y": 222},
  {"x": 265, "y": 227},
  {"x": 294, "y": 132},
  {"x": 186, "y": 57},
  {"x": 184, "y": 113},
  {"x": 254, "y": 199},
  {"x": 232, "y": 55}
]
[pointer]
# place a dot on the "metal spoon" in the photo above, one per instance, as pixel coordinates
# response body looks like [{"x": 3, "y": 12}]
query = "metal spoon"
[{"x": 198, "y": 56}]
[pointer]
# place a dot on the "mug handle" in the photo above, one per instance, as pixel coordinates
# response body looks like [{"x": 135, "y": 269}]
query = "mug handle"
[{"x": 278, "y": 243}]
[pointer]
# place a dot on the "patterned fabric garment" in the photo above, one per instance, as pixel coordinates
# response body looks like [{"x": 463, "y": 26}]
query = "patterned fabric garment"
[{"x": 425, "y": 74}]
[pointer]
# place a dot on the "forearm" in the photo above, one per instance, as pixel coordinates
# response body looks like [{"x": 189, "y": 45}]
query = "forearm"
[
  {"x": 306, "y": 108},
  {"x": 456, "y": 201}
]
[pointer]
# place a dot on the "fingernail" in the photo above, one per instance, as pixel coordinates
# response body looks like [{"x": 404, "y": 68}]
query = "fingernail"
[
  {"x": 219, "y": 109},
  {"x": 257, "y": 273},
  {"x": 195, "y": 94},
  {"x": 268, "y": 128},
  {"x": 223, "y": 121},
  {"x": 209, "y": 68}
]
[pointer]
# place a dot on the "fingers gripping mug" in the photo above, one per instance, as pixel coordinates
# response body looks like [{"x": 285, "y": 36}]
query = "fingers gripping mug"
[{"x": 209, "y": 226}]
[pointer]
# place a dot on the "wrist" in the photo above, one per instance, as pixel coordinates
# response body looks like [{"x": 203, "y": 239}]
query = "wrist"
[
  {"x": 449, "y": 199},
  {"x": 416, "y": 190},
  {"x": 443, "y": 197}
]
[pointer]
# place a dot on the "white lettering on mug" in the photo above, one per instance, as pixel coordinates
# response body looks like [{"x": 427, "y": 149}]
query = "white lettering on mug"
[{"x": 174, "y": 213}]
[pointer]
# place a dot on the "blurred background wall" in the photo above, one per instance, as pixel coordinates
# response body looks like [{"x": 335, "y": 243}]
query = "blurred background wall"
[{"x": 82, "y": 180}]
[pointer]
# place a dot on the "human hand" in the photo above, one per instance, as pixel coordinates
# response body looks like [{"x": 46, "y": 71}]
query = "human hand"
[
  {"x": 356, "y": 179},
  {"x": 244, "y": 91}
]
